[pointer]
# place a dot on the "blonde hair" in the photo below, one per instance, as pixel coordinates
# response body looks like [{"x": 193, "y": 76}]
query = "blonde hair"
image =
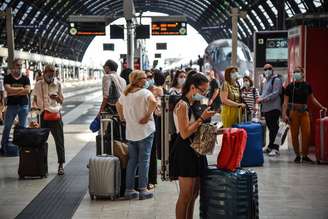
[{"x": 134, "y": 78}]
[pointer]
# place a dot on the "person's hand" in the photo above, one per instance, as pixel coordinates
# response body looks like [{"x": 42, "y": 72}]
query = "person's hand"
[
  {"x": 208, "y": 113},
  {"x": 242, "y": 105},
  {"x": 258, "y": 100},
  {"x": 210, "y": 102},
  {"x": 324, "y": 108},
  {"x": 285, "y": 118},
  {"x": 144, "y": 119}
]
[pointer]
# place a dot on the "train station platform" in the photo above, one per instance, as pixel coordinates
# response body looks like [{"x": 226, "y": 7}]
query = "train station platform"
[{"x": 286, "y": 190}]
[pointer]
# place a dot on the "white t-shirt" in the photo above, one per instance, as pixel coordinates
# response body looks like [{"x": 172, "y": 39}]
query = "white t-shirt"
[
  {"x": 118, "y": 80},
  {"x": 135, "y": 106}
]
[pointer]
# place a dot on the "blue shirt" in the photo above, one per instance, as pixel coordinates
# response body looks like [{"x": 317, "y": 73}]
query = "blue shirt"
[{"x": 271, "y": 94}]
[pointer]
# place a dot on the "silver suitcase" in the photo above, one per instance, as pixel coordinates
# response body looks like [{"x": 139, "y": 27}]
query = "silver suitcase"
[{"x": 104, "y": 170}]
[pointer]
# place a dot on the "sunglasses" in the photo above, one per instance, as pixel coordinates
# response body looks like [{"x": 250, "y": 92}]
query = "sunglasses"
[
  {"x": 149, "y": 76},
  {"x": 267, "y": 69},
  {"x": 201, "y": 90}
]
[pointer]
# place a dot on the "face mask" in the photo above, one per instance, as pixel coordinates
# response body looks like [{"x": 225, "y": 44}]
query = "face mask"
[
  {"x": 181, "y": 81},
  {"x": 297, "y": 76},
  {"x": 246, "y": 84},
  {"x": 146, "y": 85},
  {"x": 234, "y": 76},
  {"x": 267, "y": 73},
  {"x": 151, "y": 82},
  {"x": 197, "y": 97},
  {"x": 49, "y": 79}
]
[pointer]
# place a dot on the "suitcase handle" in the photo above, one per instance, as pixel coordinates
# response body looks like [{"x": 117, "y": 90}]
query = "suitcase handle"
[
  {"x": 323, "y": 113},
  {"x": 102, "y": 120}
]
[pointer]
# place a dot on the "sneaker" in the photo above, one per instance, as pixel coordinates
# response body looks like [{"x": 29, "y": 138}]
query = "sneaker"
[
  {"x": 267, "y": 150},
  {"x": 145, "y": 194},
  {"x": 297, "y": 159},
  {"x": 306, "y": 159},
  {"x": 274, "y": 153},
  {"x": 131, "y": 194}
]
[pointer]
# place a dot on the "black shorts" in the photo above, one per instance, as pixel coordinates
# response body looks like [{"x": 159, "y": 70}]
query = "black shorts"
[{"x": 184, "y": 161}]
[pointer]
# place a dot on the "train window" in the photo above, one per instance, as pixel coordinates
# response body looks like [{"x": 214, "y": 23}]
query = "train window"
[{"x": 241, "y": 55}]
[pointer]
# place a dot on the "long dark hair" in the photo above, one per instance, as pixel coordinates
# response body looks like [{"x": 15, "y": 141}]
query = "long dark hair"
[
  {"x": 196, "y": 79},
  {"x": 176, "y": 76}
]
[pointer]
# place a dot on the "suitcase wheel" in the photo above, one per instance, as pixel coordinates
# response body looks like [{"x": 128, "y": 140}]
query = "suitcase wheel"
[
  {"x": 92, "y": 197},
  {"x": 318, "y": 161}
]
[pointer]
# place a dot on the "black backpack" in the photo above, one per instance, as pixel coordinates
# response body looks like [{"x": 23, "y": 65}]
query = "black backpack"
[{"x": 113, "y": 94}]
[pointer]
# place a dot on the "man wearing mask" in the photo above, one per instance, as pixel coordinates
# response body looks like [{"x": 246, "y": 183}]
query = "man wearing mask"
[
  {"x": 48, "y": 96},
  {"x": 113, "y": 86},
  {"x": 214, "y": 92},
  {"x": 17, "y": 87},
  {"x": 271, "y": 106}
]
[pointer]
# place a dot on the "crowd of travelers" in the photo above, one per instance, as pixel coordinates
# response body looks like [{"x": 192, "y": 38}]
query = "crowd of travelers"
[
  {"x": 136, "y": 97},
  {"x": 234, "y": 98}
]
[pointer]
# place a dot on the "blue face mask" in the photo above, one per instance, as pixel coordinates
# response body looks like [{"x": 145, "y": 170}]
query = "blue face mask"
[
  {"x": 297, "y": 76},
  {"x": 146, "y": 85},
  {"x": 197, "y": 97},
  {"x": 151, "y": 82}
]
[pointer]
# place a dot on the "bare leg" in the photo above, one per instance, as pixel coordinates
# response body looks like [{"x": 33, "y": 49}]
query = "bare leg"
[
  {"x": 185, "y": 197},
  {"x": 195, "y": 192}
]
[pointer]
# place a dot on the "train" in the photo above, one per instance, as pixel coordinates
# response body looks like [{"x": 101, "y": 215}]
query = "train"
[{"x": 218, "y": 56}]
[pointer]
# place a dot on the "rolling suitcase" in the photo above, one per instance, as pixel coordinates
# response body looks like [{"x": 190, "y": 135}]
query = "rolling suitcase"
[
  {"x": 229, "y": 195},
  {"x": 104, "y": 171},
  {"x": 33, "y": 153},
  {"x": 253, "y": 154},
  {"x": 33, "y": 161},
  {"x": 321, "y": 138}
]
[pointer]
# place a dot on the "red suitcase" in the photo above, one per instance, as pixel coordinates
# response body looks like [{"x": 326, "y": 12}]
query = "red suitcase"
[
  {"x": 321, "y": 138},
  {"x": 232, "y": 150}
]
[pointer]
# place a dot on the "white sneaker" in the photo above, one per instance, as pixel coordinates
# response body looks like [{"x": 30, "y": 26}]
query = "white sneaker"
[{"x": 274, "y": 153}]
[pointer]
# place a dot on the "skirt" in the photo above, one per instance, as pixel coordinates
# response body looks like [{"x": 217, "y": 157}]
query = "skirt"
[{"x": 184, "y": 161}]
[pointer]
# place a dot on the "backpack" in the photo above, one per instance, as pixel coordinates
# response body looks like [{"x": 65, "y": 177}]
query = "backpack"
[
  {"x": 281, "y": 95},
  {"x": 113, "y": 94}
]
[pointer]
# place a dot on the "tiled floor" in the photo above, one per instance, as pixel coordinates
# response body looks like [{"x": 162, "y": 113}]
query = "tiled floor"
[{"x": 286, "y": 189}]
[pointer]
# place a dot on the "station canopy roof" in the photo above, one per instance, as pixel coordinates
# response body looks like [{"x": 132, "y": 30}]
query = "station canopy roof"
[{"x": 52, "y": 38}]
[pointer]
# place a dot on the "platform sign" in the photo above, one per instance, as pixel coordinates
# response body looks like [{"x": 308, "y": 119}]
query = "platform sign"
[
  {"x": 168, "y": 28},
  {"x": 108, "y": 46},
  {"x": 161, "y": 46},
  {"x": 87, "y": 28}
]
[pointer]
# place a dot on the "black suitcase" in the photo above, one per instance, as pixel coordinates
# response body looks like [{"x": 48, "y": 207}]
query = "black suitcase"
[
  {"x": 229, "y": 195},
  {"x": 33, "y": 161}
]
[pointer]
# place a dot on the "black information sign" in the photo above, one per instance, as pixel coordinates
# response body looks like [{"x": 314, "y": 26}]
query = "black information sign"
[
  {"x": 87, "y": 28},
  {"x": 108, "y": 46},
  {"x": 167, "y": 28}
]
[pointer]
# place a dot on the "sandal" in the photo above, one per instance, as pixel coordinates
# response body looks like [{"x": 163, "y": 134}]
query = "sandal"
[{"x": 60, "y": 171}]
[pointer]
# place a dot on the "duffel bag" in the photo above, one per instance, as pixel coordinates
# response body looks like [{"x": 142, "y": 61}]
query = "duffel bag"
[{"x": 30, "y": 137}]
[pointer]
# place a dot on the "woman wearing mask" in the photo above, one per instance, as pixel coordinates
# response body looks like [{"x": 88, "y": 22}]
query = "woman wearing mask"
[
  {"x": 158, "y": 93},
  {"x": 296, "y": 97},
  {"x": 177, "y": 83},
  {"x": 249, "y": 95},
  {"x": 136, "y": 107},
  {"x": 186, "y": 164},
  {"x": 214, "y": 92},
  {"x": 231, "y": 98}
]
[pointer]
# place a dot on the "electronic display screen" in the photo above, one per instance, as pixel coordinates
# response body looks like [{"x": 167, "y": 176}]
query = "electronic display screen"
[
  {"x": 87, "y": 28},
  {"x": 276, "y": 50},
  {"x": 169, "y": 28}
]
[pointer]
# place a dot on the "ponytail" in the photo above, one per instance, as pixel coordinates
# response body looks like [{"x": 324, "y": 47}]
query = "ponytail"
[{"x": 134, "y": 78}]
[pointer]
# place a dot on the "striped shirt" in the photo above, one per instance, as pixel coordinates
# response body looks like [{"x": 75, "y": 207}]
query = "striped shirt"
[{"x": 249, "y": 96}]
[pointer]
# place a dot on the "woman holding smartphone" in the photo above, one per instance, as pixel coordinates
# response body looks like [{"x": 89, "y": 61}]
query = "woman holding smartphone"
[{"x": 186, "y": 164}]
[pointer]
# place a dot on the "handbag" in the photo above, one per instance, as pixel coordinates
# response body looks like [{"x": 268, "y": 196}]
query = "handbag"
[
  {"x": 282, "y": 134},
  {"x": 95, "y": 124},
  {"x": 50, "y": 116},
  {"x": 204, "y": 139},
  {"x": 47, "y": 115}
]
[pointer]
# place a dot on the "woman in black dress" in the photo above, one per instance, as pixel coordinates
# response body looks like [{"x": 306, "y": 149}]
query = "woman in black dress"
[{"x": 186, "y": 164}]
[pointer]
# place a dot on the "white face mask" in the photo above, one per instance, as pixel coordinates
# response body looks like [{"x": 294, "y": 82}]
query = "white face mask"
[
  {"x": 268, "y": 73},
  {"x": 247, "y": 84},
  {"x": 181, "y": 81},
  {"x": 235, "y": 76}
]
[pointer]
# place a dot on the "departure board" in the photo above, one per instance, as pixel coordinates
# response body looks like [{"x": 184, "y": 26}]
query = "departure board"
[
  {"x": 167, "y": 28},
  {"x": 87, "y": 28}
]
